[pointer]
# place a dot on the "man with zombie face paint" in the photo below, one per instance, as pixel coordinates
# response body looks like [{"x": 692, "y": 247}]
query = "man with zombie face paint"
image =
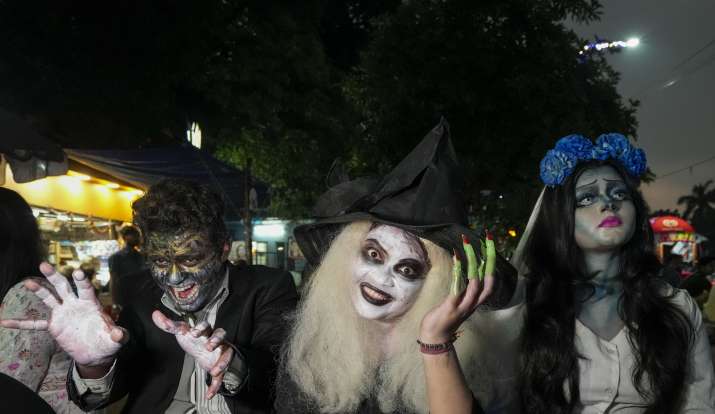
[
  {"x": 200, "y": 338},
  {"x": 386, "y": 250}
]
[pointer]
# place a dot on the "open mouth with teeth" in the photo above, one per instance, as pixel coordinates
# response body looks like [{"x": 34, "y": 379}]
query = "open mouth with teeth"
[
  {"x": 185, "y": 293},
  {"x": 374, "y": 295}
]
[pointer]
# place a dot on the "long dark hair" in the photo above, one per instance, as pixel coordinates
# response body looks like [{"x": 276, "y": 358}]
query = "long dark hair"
[
  {"x": 659, "y": 332},
  {"x": 21, "y": 250}
]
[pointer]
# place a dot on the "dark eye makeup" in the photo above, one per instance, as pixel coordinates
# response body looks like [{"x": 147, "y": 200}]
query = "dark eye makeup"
[
  {"x": 586, "y": 196},
  {"x": 372, "y": 252},
  {"x": 160, "y": 261},
  {"x": 616, "y": 192},
  {"x": 410, "y": 269}
]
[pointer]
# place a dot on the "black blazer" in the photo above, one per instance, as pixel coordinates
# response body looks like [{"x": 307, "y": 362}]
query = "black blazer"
[{"x": 149, "y": 365}]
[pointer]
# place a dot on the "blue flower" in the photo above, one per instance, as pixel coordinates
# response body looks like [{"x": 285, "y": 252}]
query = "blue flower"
[
  {"x": 556, "y": 166},
  {"x": 611, "y": 146},
  {"x": 577, "y": 145},
  {"x": 560, "y": 162},
  {"x": 635, "y": 162}
]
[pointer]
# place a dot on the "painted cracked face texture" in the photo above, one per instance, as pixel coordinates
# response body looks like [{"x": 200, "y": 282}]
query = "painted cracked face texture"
[
  {"x": 605, "y": 214},
  {"x": 388, "y": 274},
  {"x": 188, "y": 266}
]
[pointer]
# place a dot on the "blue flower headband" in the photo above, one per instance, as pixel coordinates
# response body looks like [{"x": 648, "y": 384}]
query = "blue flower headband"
[{"x": 560, "y": 162}]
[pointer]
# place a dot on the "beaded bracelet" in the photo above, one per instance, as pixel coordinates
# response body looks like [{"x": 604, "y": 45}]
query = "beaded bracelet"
[{"x": 435, "y": 349}]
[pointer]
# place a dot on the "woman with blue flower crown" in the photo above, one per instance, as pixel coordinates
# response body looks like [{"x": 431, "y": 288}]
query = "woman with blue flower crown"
[{"x": 596, "y": 330}]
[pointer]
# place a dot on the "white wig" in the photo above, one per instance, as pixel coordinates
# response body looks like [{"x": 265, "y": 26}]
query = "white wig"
[{"x": 335, "y": 356}]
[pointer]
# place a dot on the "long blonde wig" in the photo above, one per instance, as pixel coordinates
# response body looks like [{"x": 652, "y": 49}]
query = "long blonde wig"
[{"x": 335, "y": 357}]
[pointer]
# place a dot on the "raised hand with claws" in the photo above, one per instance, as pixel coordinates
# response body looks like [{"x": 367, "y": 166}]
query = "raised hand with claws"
[
  {"x": 77, "y": 322},
  {"x": 440, "y": 324},
  {"x": 205, "y": 344}
]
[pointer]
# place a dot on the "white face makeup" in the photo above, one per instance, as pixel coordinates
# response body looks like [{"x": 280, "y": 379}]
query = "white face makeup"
[
  {"x": 388, "y": 274},
  {"x": 605, "y": 215}
]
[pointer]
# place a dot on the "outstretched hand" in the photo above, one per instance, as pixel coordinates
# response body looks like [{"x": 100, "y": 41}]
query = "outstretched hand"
[
  {"x": 77, "y": 322},
  {"x": 204, "y": 344},
  {"x": 440, "y": 324}
]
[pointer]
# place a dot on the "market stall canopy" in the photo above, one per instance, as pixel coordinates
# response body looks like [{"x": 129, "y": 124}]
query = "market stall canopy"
[
  {"x": 665, "y": 224},
  {"x": 30, "y": 154},
  {"x": 145, "y": 167}
]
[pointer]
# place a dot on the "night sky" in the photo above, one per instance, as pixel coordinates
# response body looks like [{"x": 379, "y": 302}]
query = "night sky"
[{"x": 672, "y": 73}]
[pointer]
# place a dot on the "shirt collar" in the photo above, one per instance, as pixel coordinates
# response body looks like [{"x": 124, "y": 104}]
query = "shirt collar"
[{"x": 201, "y": 314}]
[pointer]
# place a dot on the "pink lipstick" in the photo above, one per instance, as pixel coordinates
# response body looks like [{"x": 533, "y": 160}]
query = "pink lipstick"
[{"x": 611, "y": 221}]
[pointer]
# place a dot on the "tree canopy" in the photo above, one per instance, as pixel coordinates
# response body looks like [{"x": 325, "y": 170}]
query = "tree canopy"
[
  {"x": 700, "y": 208},
  {"x": 293, "y": 85},
  {"x": 506, "y": 76}
]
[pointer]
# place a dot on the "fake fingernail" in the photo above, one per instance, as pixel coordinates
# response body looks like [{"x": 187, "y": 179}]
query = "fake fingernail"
[
  {"x": 457, "y": 280},
  {"x": 471, "y": 258},
  {"x": 491, "y": 255}
]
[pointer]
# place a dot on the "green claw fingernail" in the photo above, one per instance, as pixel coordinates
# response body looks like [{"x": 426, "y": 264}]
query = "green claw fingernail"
[
  {"x": 457, "y": 281},
  {"x": 482, "y": 263},
  {"x": 491, "y": 255},
  {"x": 472, "y": 271}
]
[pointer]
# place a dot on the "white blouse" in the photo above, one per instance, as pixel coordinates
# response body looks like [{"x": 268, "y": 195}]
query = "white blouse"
[
  {"x": 606, "y": 376},
  {"x": 606, "y": 385}
]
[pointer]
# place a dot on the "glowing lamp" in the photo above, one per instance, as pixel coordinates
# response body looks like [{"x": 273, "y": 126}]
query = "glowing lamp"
[{"x": 275, "y": 231}]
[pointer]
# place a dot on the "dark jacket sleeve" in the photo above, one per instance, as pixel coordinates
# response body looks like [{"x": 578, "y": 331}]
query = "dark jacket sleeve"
[
  {"x": 128, "y": 358},
  {"x": 272, "y": 304}
]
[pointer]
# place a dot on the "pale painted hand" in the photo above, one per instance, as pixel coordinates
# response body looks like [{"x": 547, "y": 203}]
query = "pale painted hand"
[
  {"x": 203, "y": 343},
  {"x": 77, "y": 322}
]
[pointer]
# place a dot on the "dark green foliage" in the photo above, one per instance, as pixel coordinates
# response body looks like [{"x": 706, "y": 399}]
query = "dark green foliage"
[
  {"x": 505, "y": 75},
  {"x": 700, "y": 208},
  {"x": 292, "y": 85}
]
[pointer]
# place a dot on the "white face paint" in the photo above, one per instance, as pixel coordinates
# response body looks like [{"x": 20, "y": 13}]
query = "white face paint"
[
  {"x": 605, "y": 215},
  {"x": 388, "y": 274}
]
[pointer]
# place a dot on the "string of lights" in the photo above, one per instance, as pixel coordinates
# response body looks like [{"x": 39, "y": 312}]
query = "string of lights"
[
  {"x": 600, "y": 45},
  {"x": 674, "y": 76},
  {"x": 685, "y": 168}
]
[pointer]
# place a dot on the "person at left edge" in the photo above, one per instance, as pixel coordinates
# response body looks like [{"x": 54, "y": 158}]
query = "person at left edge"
[{"x": 218, "y": 358}]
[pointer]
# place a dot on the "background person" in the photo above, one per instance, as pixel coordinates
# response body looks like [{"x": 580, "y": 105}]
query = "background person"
[
  {"x": 123, "y": 264},
  {"x": 698, "y": 284},
  {"x": 31, "y": 357},
  {"x": 671, "y": 270}
]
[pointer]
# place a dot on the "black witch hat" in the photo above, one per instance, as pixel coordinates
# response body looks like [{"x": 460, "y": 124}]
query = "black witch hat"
[{"x": 422, "y": 195}]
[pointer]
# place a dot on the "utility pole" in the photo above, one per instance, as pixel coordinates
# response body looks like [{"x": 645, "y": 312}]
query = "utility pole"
[{"x": 247, "y": 216}]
